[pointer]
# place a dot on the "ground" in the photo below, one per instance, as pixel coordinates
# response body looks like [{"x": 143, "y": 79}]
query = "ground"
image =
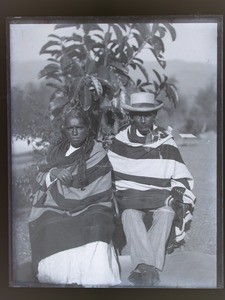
[{"x": 200, "y": 157}]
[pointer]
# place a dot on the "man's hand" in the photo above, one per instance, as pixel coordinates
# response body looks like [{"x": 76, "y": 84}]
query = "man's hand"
[
  {"x": 62, "y": 174},
  {"x": 179, "y": 208}
]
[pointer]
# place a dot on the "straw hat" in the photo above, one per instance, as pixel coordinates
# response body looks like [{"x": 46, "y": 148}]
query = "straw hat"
[{"x": 143, "y": 102}]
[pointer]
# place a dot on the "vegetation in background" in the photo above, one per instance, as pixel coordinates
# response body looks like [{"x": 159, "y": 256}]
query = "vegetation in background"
[{"x": 92, "y": 69}]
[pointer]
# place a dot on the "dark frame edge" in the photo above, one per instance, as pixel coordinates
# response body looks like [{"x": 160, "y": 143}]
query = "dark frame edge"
[{"x": 220, "y": 159}]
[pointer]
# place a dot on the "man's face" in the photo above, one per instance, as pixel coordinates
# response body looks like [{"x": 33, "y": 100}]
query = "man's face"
[
  {"x": 144, "y": 121},
  {"x": 76, "y": 131}
]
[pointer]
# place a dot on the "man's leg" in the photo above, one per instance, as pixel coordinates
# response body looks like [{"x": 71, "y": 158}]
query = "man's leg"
[
  {"x": 137, "y": 238},
  {"x": 159, "y": 233}
]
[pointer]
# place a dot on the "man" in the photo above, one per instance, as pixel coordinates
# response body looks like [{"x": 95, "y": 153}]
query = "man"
[{"x": 152, "y": 183}]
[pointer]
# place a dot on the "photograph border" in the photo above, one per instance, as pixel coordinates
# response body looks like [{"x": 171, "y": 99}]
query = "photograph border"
[
  {"x": 24, "y": 9},
  {"x": 136, "y": 19}
]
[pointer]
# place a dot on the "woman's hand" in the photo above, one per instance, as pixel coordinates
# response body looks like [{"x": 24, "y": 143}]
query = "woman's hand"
[{"x": 62, "y": 174}]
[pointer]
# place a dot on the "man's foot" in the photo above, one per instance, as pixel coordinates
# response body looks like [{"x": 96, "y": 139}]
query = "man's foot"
[
  {"x": 145, "y": 275},
  {"x": 135, "y": 278},
  {"x": 149, "y": 275}
]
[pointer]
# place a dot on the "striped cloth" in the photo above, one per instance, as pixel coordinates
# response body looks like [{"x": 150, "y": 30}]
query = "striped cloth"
[
  {"x": 147, "y": 174},
  {"x": 67, "y": 217}
]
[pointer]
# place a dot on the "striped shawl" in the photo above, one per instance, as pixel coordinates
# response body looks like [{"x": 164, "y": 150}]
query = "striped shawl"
[
  {"x": 66, "y": 217},
  {"x": 147, "y": 175}
]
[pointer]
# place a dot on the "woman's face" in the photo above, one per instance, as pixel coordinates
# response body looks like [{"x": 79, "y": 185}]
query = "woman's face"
[{"x": 75, "y": 130}]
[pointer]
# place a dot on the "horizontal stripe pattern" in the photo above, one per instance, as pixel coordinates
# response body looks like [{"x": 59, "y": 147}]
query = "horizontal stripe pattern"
[
  {"x": 153, "y": 168},
  {"x": 101, "y": 168},
  {"x": 101, "y": 184},
  {"x": 164, "y": 151},
  {"x": 142, "y": 179},
  {"x": 144, "y": 175},
  {"x": 72, "y": 205},
  {"x": 67, "y": 217}
]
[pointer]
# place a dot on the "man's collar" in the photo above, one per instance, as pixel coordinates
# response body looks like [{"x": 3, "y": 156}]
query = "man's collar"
[{"x": 141, "y": 135}]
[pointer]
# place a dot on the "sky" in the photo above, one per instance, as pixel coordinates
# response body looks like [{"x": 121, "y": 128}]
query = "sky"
[{"x": 195, "y": 42}]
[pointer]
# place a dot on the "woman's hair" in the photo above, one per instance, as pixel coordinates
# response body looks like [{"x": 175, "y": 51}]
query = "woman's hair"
[
  {"x": 77, "y": 113},
  {"x": 85, "y": 148}
]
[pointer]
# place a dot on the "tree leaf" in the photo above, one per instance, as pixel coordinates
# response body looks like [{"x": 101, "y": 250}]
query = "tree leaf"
[
  {"x": 75, "y": 87},
  {"x": 55, "y": 36},
  {"x": 55, "y": 86},
  {"x": 162, "y": 31},
  {"x": 133, "y": 65},
  {"x": 99, "y": 36},
  {"x": 54, "y": 76},
  {"x": 57, "y": 103},
  {"x": 158, "y": 76},
  {"x": 108, "y": 87},
  {"x": 171, "y": 30},
  {"x": 115, "y": 81},
  {"x": 76, "y": 69},
  {"x": 144, "y": 30},
  {"x": 143, "y": 70},
  {"x": 118, "y": 33},
  {"x": 123, "y": 26},
  {"x": 130, "y": 51},
  {"x": 97, "y": 45},
  {"x": 138, "y": 59},
  {"x": 75, "y": 51},
  {"x": 108, "y": 36},
  {"x": 103, "y": 72},
  {"x": 53, "y": 60},
  {"x": 157, "y": 44},
  {"x": 156, "y": 85},
  {"x": 47, "y": 45},
  {"x": 160, "y": 61},
  {"x": 90, "y": 66},
  {"x": 97, "y": 85},
  {"x": 155, "y": 27},
  {"x": 138, "y": 38},
  {"x": 49, "y": 69},
  {"x": 145, "y": 84},
  {"x": 56, "y": 53},
  {"x": 59, "y": 26},
  {"x": 172, "y": 92},
  {"x": 113, "y": 44},
  {"x": 74, "y": 37},
  {"x": 95, "y": 27},
  {"x": 119, "y": 66},
  {"x": 87, "y": 101},
  {"x": 66, "y": 63},
  {"x": 138, "y": 82}
]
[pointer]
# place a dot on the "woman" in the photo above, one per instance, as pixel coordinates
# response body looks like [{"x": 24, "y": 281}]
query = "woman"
[{"x": 71, "y": 222}]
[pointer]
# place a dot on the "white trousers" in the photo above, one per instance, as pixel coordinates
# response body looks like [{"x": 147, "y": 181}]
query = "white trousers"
[{"x": 147, "y": 246}]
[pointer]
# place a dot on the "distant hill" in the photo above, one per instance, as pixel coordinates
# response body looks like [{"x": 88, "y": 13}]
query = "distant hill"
[
  {"x": 189, "y": 77},
  {"x": 25, "y": 72}
]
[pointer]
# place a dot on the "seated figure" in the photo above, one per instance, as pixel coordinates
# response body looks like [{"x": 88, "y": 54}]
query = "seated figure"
[
  {"x": 153, "y": 189},
  {"x": 71, "y": 221}
]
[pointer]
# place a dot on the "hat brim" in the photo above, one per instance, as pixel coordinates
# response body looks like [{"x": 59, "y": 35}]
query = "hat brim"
[{"x": 141, "y": 109}]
